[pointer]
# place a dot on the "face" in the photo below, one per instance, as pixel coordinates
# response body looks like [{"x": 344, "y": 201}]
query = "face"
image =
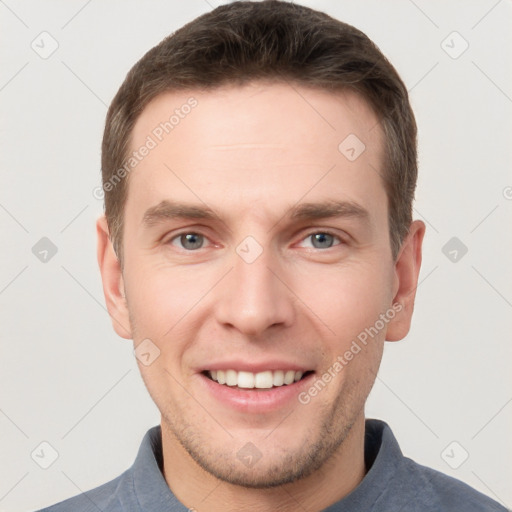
[{"x": 256, "y": 253}]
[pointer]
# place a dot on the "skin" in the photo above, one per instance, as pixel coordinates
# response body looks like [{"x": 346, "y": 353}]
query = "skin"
[{"x": 250, "y": 154}]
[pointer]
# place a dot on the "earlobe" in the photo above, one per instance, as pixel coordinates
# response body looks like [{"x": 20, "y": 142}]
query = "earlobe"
[
  {"x": 112, "y": 280},
  {"x": 407, "y": 269}
]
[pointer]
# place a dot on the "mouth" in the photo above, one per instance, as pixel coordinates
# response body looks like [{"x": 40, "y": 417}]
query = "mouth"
[{"x": 264, "y": 380}]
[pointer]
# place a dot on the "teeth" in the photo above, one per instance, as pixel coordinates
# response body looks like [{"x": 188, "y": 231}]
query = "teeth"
[
  {"x": 289, "y": 377},
  {"x": 278, "y": 379},
  {"x": 245, "y": 380},
  {"x": 261, "y": 380},
  {"x": 231, "y": 378}
]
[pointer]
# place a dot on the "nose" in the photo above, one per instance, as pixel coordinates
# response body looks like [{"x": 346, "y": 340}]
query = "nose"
[{"x": 254, "y": 297}]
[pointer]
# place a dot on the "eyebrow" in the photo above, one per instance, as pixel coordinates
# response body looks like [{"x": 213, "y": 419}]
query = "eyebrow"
[
  {"x": 169, "y": 210},
  {"x": 329, "y": 209}
]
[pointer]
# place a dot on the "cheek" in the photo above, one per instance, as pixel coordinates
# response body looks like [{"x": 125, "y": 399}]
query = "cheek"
[
  {"x": 347, "y": 298},
  {"x": 159, "y": 297},
  {"x": 166, "y": 306},
  {"x": 158, "y": 302}
]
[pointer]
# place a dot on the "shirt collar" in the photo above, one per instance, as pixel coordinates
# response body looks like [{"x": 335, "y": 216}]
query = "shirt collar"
[
  {"x": 150, "y": 487},
  {"x": 382, "y": 453}
]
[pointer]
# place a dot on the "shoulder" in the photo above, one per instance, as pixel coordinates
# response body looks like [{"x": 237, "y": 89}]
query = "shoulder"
[
  {"x": 104, "y": 498},
  {"x": 403, "y": 484},
  {"x": 441, "y": 492},
  {"x": 141, "y": 487}
]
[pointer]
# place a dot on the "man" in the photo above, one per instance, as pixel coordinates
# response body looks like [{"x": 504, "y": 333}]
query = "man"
[{"x": 259, "y": 167}]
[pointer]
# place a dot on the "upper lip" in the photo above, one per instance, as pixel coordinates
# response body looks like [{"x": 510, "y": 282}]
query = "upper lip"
[{"x": 255, "y": 367}]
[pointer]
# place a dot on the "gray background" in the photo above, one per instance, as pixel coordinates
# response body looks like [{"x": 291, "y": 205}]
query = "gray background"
[{"x": 67, "y": 379}]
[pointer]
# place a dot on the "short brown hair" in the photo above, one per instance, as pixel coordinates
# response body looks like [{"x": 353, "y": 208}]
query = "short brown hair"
[{"x": 272, "y": 40}]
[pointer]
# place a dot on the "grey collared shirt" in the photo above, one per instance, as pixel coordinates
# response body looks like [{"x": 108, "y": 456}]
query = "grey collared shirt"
[{"x": 393, "y": 483}]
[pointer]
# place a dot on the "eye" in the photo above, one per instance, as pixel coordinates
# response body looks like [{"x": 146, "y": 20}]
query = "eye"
[
  {"x": 321, "y": 240},
  {"x": 189, "y": 241}
]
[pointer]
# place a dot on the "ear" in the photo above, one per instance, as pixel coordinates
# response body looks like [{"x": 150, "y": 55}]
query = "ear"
[
  {"x": 407, "y": 269},
  {"x": 112, "y": 278}
]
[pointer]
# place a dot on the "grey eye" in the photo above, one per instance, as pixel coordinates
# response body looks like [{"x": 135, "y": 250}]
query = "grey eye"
[
  {"x": 191, "y": 241},
  {"x": 322, "y": 240}
]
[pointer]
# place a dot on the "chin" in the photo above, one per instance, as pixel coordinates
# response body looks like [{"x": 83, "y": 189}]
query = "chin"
[
  {"x": 264, "y": 474},
  {"x": 271, "y": 466}
]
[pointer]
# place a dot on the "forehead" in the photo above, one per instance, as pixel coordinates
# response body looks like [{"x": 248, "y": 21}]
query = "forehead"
[
  {"x": 260, "y": 142},
  {"x": 263, "y": 108}
]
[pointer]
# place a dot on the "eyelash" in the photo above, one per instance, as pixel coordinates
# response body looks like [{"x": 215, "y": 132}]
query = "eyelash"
[{"x": 308, "y": 235}]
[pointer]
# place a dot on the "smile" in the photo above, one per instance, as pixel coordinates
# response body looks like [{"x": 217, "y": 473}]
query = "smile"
[{"x": 261, "y": 380}]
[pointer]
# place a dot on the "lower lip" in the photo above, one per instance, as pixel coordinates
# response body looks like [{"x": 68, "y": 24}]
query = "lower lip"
[{"x": 256, "y": 400}]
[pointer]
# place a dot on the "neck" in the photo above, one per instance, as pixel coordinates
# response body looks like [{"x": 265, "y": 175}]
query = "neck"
[{"x": 202, "y": 492}]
